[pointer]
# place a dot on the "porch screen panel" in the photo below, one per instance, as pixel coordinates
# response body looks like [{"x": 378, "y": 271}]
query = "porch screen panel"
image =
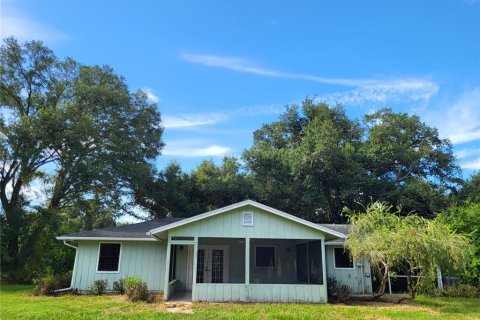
[
  {"x": 315, "y": 262},
  {"x": 302, "y": 263}
]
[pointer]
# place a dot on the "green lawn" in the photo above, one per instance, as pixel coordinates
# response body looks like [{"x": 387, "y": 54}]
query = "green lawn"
[{"x": 17, "y": 302}]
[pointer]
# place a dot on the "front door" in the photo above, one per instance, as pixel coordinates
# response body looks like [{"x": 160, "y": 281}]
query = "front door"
[{"x": 212, "y": 264}]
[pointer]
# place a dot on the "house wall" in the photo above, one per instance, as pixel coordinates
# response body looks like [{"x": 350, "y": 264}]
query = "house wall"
[
  {"x": 229, "y": 225},
  {"x": 137, "y": 258},
  {"x": 350, "y": 277},
  {"x": 297, "y": 293}
]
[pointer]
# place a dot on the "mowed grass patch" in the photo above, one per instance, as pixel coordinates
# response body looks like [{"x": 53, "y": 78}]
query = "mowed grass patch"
[{"x": 17, "y": 302}]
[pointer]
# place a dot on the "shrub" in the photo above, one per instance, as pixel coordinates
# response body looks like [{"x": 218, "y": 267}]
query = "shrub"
[
  {"x": 119, "y": 286},
  {"x": 343, "y": 293},
  {"x": 136, "y": 289},
  {"x": 98, "y": 287},
  {"x": 331, "y": 286},
  {"x": 461, "y": 291},
  {"x": 48, "y": 285}
]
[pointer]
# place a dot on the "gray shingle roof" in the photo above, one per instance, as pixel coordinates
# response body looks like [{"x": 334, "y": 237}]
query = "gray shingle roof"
[
  {"x": 136, "y": 230},
  {"x": 343, "y": 228}
]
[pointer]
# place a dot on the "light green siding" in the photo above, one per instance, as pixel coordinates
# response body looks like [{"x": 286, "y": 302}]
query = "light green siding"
[
  {"x": 229, "y": 225},
  {"x": 353, "y": 278},
  {"x": 137, "y": 258},
  {"x": 297, "y": 293}
]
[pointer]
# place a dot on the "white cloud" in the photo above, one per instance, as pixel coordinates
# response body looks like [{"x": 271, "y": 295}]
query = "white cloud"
[
  {"x": 192, "y": 149},
  {"x": 190, "y": 120},
  {"x": 151, "y": 95},
  {"x": 472, "y": 164},
  {"x": 16, "y": 25},
  {"x": 245, "y": 66},
  {"x": 466, "y": 153},
  {"x": 398, "y": 91},
  {"x": 460, "y": 122}
]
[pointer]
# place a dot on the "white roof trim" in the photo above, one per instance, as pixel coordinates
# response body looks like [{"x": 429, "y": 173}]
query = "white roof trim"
[
  {"x": 106, "y": 238},
  {"x": 241, "y": 204},
  {"x": 334, "y": 243}
]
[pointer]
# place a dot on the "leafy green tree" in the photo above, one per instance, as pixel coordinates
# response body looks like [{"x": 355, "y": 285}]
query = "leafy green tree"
[
  {"x": 207, "y": 187},
  {"x": 410, "y": 166},
  {"x": 308, "y": 162},
  {"x": 77, "y": 129},
  {"x": 465, "y": 218},
  {"x": 470, "y": 190},
  {"x": 413, "y": 244}
]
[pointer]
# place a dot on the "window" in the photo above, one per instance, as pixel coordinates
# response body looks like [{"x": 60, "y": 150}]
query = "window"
[
  {"x": 265, "y": 257},
  {"x": 109, "y": 257},
  {"x": 248, "y": 219},
  {"x": 343, "y": 259}
]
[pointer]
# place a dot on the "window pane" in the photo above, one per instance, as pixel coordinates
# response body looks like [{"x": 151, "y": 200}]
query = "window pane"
[
  {"x": 343, "y": 258},
  {"x": 200, "y": 265},
  {"x": 109, "y": 257},
  {"x": 265, "y": 256}
]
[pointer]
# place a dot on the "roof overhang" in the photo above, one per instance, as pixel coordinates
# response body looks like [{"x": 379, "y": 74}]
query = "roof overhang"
[
  {"x": 242, "y": 204},
  {"x": 105, "y": 238}
]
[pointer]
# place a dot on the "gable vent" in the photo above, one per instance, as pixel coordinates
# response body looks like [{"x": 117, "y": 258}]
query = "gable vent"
[{"x": 248, "y": 219}]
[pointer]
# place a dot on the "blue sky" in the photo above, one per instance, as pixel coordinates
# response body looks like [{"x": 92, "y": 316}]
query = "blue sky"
[{"x": 219, "y": 69}]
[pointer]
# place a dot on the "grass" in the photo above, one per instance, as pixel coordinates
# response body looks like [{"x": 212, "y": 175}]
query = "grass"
[{"x": 17, "y": 302}]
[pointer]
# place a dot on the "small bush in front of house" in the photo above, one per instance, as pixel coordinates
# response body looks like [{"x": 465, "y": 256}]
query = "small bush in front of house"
[
  {"x": 119, "y": 286},
  {"x": 461, "y": 291},
  {"x": 344, "y": 293},
  {"x": 48, "y": 285},
  {"x": 331, "y": 287},
  {"x": 98, "y": 287},
  {"x": 136, "y": 289}
]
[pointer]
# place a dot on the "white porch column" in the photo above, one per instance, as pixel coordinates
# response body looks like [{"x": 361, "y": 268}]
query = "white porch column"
[
  {"x": 324, "y": 270},
  {"x": 194, "y": 276},
  {"x": 247, "y": 261},
  {"x": 167, "y": 269}
]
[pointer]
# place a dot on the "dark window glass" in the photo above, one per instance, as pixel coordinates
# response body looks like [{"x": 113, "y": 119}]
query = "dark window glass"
[
  {"x": 109, "y": 257},
  {"x": 343, "y": 259},
  {"x": 265, "y": 257},
  {"x": 200, "y": 265}
]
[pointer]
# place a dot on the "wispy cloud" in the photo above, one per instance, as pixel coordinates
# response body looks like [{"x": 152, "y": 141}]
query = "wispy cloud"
[
  {"x": 246, "y": 66},
  {"x": 460, "y": 122},
  {"x": 397, "y": 91},
  {"x": 466, "y": 153},
  {"x": 195, "y": 148},
  {"x": 14, "y": 24},
  {"x": 471, "y": 164},
  {"x": 190, "y": 120},
  {"x": 151, "y": 95}
]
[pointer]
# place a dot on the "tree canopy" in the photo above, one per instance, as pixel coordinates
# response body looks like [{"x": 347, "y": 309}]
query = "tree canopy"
[{"x": 75, "y": 129}]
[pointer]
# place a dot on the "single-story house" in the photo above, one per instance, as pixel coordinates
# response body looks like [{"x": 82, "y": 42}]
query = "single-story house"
[{"x": 246, "y": 251}]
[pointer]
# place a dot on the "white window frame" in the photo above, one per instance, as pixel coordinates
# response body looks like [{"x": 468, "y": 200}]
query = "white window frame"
[
  {"x": 243, "y": 219},
  {"x": 119, "y": 256},
  {"x": 335, "y": 261},
  {"x": 274, "y": 256}
]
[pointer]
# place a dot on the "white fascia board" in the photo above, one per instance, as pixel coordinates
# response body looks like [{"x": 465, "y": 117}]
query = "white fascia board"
[
  {"x": 105, "y": 238},
  {"x": 241, "y": 204},
  {"x": 334, "y": 243}
]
